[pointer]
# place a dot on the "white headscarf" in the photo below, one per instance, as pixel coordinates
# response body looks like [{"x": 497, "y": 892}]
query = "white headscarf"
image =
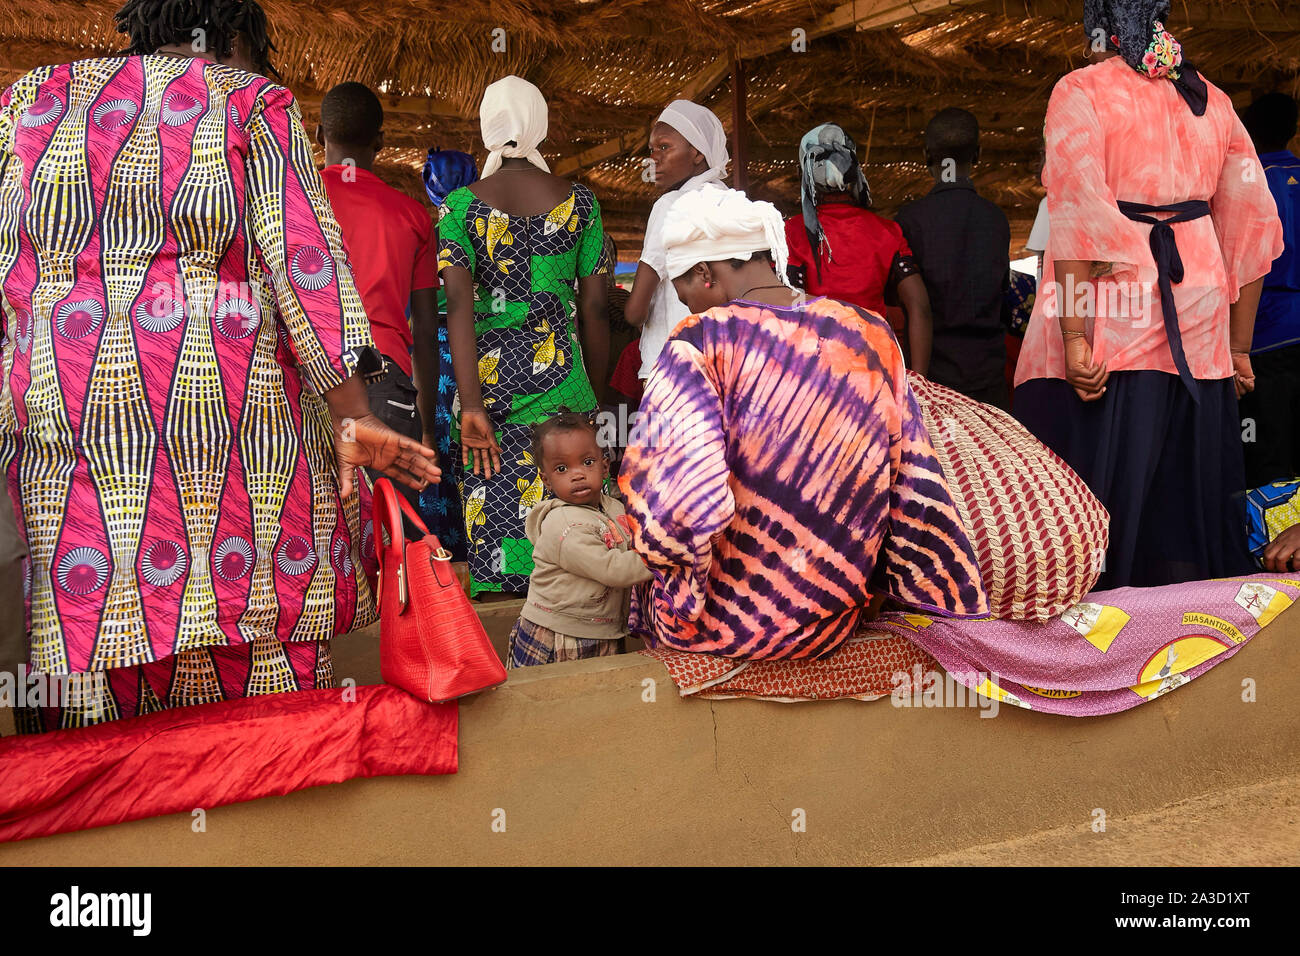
[
  {"x": 513, "y": 110},
  {"x": 701, "y": 128},
  {"x": 713, "y": 224}
]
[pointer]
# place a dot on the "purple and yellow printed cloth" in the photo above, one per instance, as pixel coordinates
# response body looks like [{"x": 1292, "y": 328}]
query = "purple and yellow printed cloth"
[{"x": 1111, "y": 651}]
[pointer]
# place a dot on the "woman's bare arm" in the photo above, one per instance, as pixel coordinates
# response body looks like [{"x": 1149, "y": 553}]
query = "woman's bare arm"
[
  {"x": 637, "y": 309},
  {"x": 461, "y": 340},
  {"x": 920, "y": 322},
  {"x": 593, "y": 327}
]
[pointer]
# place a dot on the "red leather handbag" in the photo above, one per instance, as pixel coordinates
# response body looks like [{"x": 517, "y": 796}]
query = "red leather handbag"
[{"x": 431, "y": 643}]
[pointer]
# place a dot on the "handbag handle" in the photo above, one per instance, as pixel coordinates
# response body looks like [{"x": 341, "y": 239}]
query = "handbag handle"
[{"x": 388, "y": 507}]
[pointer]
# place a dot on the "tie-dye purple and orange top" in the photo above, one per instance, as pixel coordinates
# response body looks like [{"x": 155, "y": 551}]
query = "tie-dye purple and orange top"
[{"x": 780, "y": 467}]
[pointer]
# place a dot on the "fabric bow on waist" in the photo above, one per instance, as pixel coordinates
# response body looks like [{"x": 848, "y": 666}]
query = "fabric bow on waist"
[{"x": 1169, "y": 268}]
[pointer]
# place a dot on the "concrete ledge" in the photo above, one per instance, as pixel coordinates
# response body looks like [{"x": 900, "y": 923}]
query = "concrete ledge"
[{"x": 588, "y": 772}]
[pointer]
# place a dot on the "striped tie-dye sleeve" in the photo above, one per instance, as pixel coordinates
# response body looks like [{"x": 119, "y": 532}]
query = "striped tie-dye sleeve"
[
  {"x": 926, "y": 561},
  {"x": 675, "y": 477}
]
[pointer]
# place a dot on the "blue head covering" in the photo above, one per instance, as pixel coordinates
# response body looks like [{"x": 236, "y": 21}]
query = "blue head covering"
[{"x": 447, "y": 170}]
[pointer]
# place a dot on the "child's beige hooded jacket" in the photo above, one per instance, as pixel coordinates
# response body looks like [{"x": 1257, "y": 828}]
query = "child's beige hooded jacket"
[{"x": 582, "y": 569}]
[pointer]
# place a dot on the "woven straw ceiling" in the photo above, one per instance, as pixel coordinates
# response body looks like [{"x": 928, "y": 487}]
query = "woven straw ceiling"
[{"x": 607, "y": 68}]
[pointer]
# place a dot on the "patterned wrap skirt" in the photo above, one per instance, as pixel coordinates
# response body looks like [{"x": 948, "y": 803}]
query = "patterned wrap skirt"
[{"x": 201, "y": 675}]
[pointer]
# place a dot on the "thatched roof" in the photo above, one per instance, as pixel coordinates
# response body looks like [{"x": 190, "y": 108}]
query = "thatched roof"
[{"x": 880, "y": 68}]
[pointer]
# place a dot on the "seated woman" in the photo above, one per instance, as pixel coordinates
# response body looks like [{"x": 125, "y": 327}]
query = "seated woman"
[{"x": 783, "y": 465}]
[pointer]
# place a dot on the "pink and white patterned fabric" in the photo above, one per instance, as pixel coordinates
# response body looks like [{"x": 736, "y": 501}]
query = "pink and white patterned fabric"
[
  {"x": 175, "y": 299},
  {"x": 1111, "y": 651},
  {"x": 1038, "y": 533},
  {"x": 1114, "y": 134}
]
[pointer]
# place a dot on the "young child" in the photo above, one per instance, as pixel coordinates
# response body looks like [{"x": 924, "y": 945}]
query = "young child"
[{"x": 583, "y": 568}]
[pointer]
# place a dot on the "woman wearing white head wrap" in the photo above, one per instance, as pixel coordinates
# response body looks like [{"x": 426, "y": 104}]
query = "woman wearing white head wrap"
[
  {"x": 688, "y": 150},
  {"x": 780, "y": 462},
  {"x": 511, "y": 248},
  {"x": 700, "y": 127},
  {"x": 721, "y": 246},
  {"x": 512, "y": 119}
]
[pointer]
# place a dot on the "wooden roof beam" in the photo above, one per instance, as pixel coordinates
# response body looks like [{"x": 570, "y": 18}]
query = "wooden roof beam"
[
  {"x": 417, "y": 106},
  {"x": 887, "y": 154},
  {"x": 1237, "y": 16}
]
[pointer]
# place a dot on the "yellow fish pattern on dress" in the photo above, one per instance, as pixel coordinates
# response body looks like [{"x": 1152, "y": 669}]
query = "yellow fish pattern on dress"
[
  {"x": 561, "y": 217},
  {"x": 474, "y": 516},
  {"x": 530, "y": 492},
  {"x": 487, "y": 367},
  {"x": 545, "y": 354},
  {"x": 495, "y": 230}
]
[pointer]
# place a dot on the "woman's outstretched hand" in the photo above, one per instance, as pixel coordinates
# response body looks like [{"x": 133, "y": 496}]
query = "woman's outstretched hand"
[
  {"x": 366, "y": 442},
  {"x": 1087, "y": 379},
  {"x": 478, "y": 443}
]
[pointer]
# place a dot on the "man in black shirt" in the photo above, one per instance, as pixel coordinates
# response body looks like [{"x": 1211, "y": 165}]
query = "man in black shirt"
[{"x": 961, "y": 241}]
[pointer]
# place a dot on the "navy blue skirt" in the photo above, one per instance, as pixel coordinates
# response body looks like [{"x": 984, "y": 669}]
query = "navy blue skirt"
[{"x": 1169, "y": 471}]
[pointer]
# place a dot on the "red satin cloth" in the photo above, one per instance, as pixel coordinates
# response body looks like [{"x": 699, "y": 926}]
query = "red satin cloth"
[{"x": 214, "y": 754}]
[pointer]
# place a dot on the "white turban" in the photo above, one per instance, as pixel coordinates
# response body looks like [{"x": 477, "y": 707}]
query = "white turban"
[
  {"x": 713, "y": 224},
  {"x": 513, "y": 110},
  {"x": 701, "y": 128}
]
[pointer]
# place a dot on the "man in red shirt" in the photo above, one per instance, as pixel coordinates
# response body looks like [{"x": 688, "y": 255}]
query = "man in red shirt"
[{"x": 393, "y": 254}]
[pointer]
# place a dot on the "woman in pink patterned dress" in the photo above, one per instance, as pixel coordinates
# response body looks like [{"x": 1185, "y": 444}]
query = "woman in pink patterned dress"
[
  {"x": 1162, "y": 231},
  {"x": 182, "y": 412}
]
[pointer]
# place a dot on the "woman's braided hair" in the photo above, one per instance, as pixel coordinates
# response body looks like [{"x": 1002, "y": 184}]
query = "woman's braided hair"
[{"x": 151, "y": 24}]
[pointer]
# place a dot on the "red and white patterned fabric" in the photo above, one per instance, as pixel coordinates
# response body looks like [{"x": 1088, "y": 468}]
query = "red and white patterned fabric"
[
  {"x": 862, "y": 668},
  {"x": 1038, "y": 532}
]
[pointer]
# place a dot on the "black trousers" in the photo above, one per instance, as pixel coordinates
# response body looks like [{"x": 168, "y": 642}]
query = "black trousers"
[
  {"x": 393, "y": 402},
  {"x": 1270, "y": 418},
  {"x": 995, "y": 395},
  {"x": 13, "y": 617}
]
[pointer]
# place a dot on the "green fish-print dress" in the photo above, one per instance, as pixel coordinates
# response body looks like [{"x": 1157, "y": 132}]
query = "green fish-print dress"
[{"x": 529, "y": 360}]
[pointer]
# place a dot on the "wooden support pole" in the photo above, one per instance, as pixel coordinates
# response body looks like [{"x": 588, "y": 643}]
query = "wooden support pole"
[{"x": 739, "y": 120}]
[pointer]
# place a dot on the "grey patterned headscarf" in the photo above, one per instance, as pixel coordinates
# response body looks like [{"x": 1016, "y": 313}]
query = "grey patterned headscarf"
[{"x": 828, "y": 158}]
